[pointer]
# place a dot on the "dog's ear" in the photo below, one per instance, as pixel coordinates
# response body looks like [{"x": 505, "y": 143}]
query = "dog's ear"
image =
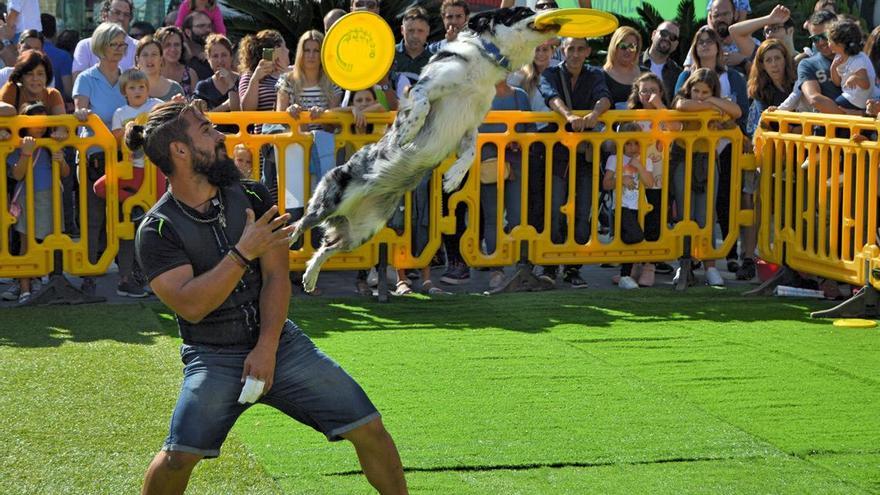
[{"x": 484, "y": 22}]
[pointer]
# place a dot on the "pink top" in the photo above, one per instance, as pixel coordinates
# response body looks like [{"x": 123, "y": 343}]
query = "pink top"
[{"x": 213, "y": 12}]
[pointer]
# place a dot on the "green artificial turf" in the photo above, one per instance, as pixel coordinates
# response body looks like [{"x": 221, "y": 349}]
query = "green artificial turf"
[{"x": 564, "y": 392}]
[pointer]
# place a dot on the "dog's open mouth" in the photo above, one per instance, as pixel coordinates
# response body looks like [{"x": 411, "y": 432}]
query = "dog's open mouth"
[{"x": 546, "y": 28}]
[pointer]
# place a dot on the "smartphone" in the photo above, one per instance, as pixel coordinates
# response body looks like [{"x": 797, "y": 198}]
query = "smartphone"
[{"x": 268, "y": 53}]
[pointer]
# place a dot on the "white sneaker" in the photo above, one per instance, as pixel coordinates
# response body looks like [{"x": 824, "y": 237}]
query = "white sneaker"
[
  {"x": 628, "y": 283},
  {"x": 677, "y": 276},
  {"x": 713, "y": 277},
  {"x": 496, "y": 279},
  {"x": 373, "y": 278},
  {"x": 12, "y": 293}
]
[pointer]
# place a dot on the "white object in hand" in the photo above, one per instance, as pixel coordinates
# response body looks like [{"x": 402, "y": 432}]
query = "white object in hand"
[{"x": 252, "y": 390}]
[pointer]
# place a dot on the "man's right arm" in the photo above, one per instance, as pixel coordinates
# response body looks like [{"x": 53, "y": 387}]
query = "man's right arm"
[
  {"x": 194, "y": 297},
  {"x": 813, "y": 93}
]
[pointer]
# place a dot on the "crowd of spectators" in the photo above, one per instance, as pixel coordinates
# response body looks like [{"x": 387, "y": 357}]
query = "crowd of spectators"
[{"x": 129, "y": 65}]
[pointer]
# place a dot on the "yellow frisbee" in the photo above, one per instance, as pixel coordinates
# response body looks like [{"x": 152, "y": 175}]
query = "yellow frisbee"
[
  {"x": 358, "y": 50},
  {"x": 578, "y": 23},
  {"x": 854, "y": 323}
]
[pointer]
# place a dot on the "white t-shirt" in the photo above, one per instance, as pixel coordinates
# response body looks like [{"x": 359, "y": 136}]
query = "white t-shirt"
[
  {"x": 657, "y": 69},
  {"x": 28, "y": 14},
  {"x": 126, "y": 114},
  {"x": 856, "y": 96},
  {"x": 630, "y": 197},
  {"x": 84, "y": 57}
]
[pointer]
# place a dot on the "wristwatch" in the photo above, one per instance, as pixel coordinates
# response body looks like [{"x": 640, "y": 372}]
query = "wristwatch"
[{"x": 385, "y": 87}]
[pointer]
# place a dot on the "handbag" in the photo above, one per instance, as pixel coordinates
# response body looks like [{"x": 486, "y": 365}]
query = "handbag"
[
  {"x": 489, "y": 171},
  {"x": 14, "y": 204}
]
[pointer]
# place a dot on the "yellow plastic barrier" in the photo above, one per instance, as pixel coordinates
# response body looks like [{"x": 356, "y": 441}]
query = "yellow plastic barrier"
[
  {"x": 38, "y": 259},
  {"x": 291, "y": 147},
  {"x": 598, "y": 249},
  {"x": 819, "y": 193}
]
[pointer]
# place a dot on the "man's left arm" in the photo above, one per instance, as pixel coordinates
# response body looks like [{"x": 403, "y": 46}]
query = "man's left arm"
[{"x": 274, "y": 302}]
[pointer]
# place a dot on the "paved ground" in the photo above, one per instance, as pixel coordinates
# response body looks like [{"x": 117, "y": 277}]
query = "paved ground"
[{"x": 341, "y": 283}]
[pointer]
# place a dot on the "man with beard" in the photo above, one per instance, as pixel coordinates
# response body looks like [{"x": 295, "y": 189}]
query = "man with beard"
[
  {"x": 455, "y": 16},
  {"x": 721, "y": 15},
  {"x": 196, "y": 28},
  {"x": 215, "y": 251},
  {"x": 657, "y": 58}
]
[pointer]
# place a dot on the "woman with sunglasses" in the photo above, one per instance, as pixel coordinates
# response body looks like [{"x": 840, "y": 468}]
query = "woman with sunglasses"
[
  {"x": 622, "y": 64},
  {"x": 706, "y": 52}
]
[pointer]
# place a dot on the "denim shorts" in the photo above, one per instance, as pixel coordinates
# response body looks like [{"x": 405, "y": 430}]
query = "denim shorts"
[{"x": 309, "y": 387}]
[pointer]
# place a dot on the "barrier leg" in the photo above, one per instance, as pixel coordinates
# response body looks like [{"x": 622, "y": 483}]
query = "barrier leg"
[
  {"x": 863, "y": 304},
  {"x": 785, "y": 276},
  {"x": 523, "y": 279},
  {"x": 382, "y": 269},
  {"x": 686, "y": 276},
  {"x": 59, "y": 290}
]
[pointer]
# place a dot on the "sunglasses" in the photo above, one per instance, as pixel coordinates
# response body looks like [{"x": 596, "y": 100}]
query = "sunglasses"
[
  {"x": 627, "y": 46},
  {"x": 546, "y": 5},
  {"x": 819, "y": 37},
  {"x": 668, "y": 35},
  {"x": 772, "y": 29},
  {"x": 368, "y": 4},
  {"x": 705, "y": 42}
]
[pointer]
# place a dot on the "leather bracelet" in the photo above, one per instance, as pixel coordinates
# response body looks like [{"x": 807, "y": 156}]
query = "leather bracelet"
[
  {"x": 238, "y": 253},
  {"x": 237, "y": 260}
]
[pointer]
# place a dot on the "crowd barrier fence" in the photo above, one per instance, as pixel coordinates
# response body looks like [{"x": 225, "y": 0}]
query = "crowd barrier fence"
[
  {"x": 819, "y": 194},
  {"x": 547, "y": 150}
]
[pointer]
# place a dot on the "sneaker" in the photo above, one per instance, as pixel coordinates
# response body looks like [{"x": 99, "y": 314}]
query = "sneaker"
[
  {"x": 663, "y": 268},
  {"x": 747, "y": 270},
  {"x": 646, "y": 279},
  {"x": 24, "y": 297},
  {"x": 628, "y": 283},
  {"x": 732, "y": 265},
  {"x": 459, "y": 274},
  {"x": 12, "y": 293},
  {"x": 130, "y": 289},
  {"x": 362, "y": 288},
  {"x": 89, "y": 287},
  {"x": 496, "y": 279},
  {"x": 373, "y": 278},
  {"x": 547, "y": 281},
  {"x": 713, "y": 277},
  {"x": 573, "y": 277}
]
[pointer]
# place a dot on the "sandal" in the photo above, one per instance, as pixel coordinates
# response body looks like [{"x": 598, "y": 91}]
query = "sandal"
[
  {"x": 429, "y": 288},
  {"x": 403, "y": 288}
]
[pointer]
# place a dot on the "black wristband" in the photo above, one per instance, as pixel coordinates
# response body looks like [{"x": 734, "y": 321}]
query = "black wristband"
[{"x": 238, "y": 253}]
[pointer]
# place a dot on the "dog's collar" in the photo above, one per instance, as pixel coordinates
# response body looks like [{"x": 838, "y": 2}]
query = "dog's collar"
[{"x": 490, "y": 51}]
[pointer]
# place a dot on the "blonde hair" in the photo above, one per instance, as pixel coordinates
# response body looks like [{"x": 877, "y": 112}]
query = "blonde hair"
[
  {"x": 296, "y": 77},
  {"x": 241, "y": 147},
  {"x": 132, "y": 75},
  {"x": 619, "y": 35},
  {"x": 104, "y": 35}
]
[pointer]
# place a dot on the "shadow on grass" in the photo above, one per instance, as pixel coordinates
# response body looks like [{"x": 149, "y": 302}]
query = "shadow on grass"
[
  {"x": 142, "y": 323},
  {"x": 53, "y": 326},
  {"x": 540, "y": 312}
]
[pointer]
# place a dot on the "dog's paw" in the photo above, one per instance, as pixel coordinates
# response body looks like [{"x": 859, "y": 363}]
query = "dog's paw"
[
  {"x": 310, "y": 280},
  {"x": 451, "y": 183}
]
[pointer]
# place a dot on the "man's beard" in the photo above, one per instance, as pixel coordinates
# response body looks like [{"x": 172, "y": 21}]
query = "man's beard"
[
  {"x": 723, "y": 30},
  {"x": 220, "y": 172},
  {"x": 198, "y": 39},
  {"x": 664, "y": 47}
]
